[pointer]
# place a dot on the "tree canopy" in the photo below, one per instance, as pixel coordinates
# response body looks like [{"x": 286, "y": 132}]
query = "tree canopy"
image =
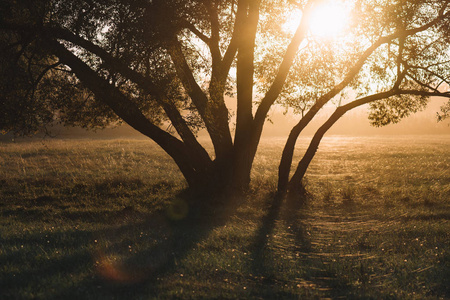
[{"x": 150, "y": 63}]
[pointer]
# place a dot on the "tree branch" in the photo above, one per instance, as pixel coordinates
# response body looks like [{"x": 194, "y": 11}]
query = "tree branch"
[
  {"x": 288, "y": 151},
  {"x": 230, "y": 53},
  {"x": 446, "y": 80},
  {"x": 356, "y": 68},
  {"x": 302, "y": 166},
  {"x": 283, "y": 71},
  {"x": 214, "y": 116},
  {"x": 215, "y": 32},
  {"x": 245, "y": 72},
  {"x": 186, "y": 76},
  {"x": 126, "y": 109},
  {"x": 46, "y": 69},
  {"x": 197, "y": 32},
  {"x": 143, "y": 82}
]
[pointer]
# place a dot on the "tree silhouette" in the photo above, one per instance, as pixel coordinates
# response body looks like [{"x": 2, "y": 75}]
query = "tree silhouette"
[{"x": 152, "y": 63}]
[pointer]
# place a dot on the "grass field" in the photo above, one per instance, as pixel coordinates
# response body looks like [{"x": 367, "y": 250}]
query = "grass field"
[{"x": 104, "y": 219}]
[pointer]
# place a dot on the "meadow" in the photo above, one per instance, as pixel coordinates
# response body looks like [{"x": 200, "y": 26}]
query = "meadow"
[{"x": 108, "y": 219}]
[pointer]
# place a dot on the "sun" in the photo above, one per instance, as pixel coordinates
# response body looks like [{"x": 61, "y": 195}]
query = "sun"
[{"x": 328, "y": 19}]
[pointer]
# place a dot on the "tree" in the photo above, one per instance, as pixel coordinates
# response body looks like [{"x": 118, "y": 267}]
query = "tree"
[{"x": 153, "y": 62}]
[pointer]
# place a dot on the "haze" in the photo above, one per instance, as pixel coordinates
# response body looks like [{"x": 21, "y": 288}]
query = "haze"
[{"x": 354, "y": 123}]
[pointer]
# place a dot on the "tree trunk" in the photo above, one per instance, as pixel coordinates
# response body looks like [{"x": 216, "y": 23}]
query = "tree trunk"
[
  {"x": 286, "y": 160},
  {"x": 242, "y": 166},
  {"x": 295, "y": 187},
  {"x": 295, "y": 184},
  {"x": 228, "y": 176}
]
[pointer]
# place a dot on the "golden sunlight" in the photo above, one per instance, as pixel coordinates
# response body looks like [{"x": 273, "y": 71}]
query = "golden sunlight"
[
  {"x": 328, "y": 19},
  {"x": 292, "y": 21}
]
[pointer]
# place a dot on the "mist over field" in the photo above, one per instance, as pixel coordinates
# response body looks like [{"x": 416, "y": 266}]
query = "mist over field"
[{"x": 354, "y": 123}]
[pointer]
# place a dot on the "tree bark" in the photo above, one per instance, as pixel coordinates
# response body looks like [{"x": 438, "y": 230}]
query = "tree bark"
[
  {"x": 214, "y": 114},
  {"x": 242, "y": 157}
]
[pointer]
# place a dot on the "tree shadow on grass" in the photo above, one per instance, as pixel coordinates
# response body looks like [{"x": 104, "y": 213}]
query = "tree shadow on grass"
[
  {"x": 263, "y": 233},
  {"x": 322, "y": 271},
  {"x": 282, "y": 209},
  {"x": 128, "y": 253},
  {"x": 289, "y": 213},
  {"x": 318, "y": 279},
  {"x": 119, "y": 261}
]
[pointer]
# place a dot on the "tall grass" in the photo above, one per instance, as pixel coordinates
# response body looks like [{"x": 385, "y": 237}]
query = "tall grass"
[{"x": 85, "y": 219}]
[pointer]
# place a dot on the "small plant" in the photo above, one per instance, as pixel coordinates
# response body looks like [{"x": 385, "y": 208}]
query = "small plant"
[
  {"x": 347, "y": 194},
  {"x": 327, "y": 195}
]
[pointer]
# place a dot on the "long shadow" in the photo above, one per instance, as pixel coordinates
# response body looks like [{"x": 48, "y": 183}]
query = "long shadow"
[
  {"x": 162, "y": 239},
  {"x": 263, "y": 233},
  {"x": 321, "y": 273},
  {"x": 280, "y": 209},
  {"x": 293, "y": 214},
  {"x": 332, "y": 285},
  {"x": 290, "y": 213}
]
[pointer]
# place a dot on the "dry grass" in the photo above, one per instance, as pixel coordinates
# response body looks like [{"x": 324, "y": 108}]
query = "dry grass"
[{"x": 103, "y": 220}]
